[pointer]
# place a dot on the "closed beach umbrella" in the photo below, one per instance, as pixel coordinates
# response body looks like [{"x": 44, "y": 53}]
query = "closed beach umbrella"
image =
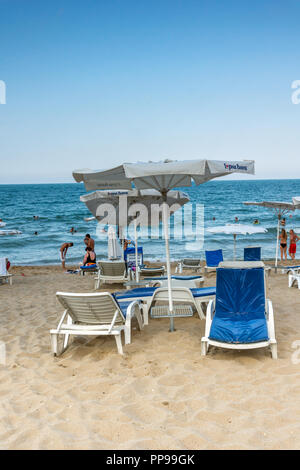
[
  {"x": 280, "y": 209},
  {"x": 114, "y": 247},
  {"x": 96, "y": 203},
  {"x": 236, "y": 229},
  {"x": 162, "y": 176}
]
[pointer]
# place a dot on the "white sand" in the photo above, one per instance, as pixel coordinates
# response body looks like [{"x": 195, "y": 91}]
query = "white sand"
[{"x": 161, "y": 395}]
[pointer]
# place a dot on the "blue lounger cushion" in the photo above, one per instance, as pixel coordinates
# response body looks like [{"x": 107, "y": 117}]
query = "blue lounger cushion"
[
  {"x": 140, "y": 292},
  {"x": 240, "y": 307},
  {"x": 203, "y": 291},
  {"x": 183, "y": 278},
  {"x": 213, "y": 258},
  {"x": 123, "y": 306},
  {"x": 91, "y": 266}
]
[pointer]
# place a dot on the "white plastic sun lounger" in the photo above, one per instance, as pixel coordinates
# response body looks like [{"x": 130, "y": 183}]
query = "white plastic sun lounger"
[
  {"x": 241, "y": 317},
  {"x": 151, "y": 270},
  {"x": 294, "y": 277},
  {"x": 4, "y": 275},
  {"x": 194, "y": 264},
  {"x": 111, "y": 272},
  {"x": 290, "y": 269},
  {"x": 198, "y": 298},
  {"x": 97, "y": 314}
]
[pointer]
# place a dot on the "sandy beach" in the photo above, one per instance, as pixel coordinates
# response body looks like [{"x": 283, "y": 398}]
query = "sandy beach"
[{"x": 160, "y": 395}]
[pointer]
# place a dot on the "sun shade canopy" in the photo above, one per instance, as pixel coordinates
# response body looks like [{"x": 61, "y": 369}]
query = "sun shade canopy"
[{"x": 162, "y": 176}]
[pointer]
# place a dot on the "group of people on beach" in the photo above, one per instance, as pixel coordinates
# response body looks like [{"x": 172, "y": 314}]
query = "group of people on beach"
[
  {"x": 284, "y": 242},
  {"x": 89, "y": 257}
]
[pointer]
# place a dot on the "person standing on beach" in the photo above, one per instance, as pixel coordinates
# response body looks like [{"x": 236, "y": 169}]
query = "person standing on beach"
[
  {"x": 283, "y": 244},
  {"x": 293, "y": 244},
  {"x": 90, "y": 243},
  {"x": 63, "y": 251}
]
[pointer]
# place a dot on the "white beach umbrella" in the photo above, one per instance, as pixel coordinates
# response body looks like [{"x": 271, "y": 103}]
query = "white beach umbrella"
[
  {"x": 280, "y": 209},
  {"x": 127, "y": 206},
  {"x": 162, "y": 176},
  {"x": 296, "y": 202},
  {"x": 236, "y": 229}
]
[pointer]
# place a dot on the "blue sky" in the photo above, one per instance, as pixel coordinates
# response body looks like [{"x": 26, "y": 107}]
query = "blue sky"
[{"x": 94, "y": 83}]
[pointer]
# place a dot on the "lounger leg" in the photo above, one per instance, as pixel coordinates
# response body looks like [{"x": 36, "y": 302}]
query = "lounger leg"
[
  {"x": 10, "y": 281},
  {"x": 145, "y": 314},
  {"x": 127, "y": 333},
  {"x": 204, "y": 347},
  {"x": 274, "y": 351},
  {"x": 54, "y": 343},
  {"x": 119, "y": 343}
]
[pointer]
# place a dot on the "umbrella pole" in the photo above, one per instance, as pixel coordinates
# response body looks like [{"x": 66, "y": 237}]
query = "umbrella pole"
[
  {"x": 166, "y": 235},
  {"x": 234, "y": 246},
  {"x": 137, "y": 275}
]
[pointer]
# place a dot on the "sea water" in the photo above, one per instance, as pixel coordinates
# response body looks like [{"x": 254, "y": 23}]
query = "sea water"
[{"x": 58, "y": 208}]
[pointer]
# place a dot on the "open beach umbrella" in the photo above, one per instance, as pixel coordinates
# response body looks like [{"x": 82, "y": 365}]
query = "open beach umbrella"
[
  {"x": 296, "y": 202},
  {"x": 280, "y": 209},
  {"x": 236, "y": 229},
  {"x": 128, "y": 205},
  {"x": 162, "y": 176}
]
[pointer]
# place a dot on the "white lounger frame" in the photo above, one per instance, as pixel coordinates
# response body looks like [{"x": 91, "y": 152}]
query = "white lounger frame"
[
  {"x": 272, "y": 343},
  {"x": 113, "y": 272},
  {"x": 7, "y": 278},
  {"x": 181, "y": 265},
  {"x": 181, "y": 295},
  {"x": 294, "y": 277},
  {"x": 96, "y": 314}
]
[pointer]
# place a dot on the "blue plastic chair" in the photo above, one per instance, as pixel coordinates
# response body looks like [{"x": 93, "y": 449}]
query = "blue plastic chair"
[{"x": 240, "y": 318}]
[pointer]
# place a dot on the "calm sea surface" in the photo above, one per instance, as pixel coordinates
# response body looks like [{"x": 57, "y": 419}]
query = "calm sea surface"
[{"x": 59, "y": 208}]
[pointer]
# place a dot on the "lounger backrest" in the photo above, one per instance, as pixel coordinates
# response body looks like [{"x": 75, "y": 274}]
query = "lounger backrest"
[
  {"x": 93, "y": 309},
  {"x": 191, "y": 262},
  {"x": 213, "y": 258},
  {"x": 240, "y": 304},
  {"x": 240, "y": 293},
  {"x": 252, "y": 253},
  {"x": 179, "y": 294},
  {"x": 112, "y": 268}
]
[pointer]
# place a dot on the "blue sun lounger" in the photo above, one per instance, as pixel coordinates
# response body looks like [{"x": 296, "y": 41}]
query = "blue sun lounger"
[
  {"x": 197, "y": 297},
  {"x": 213, "y": 258},
  {"x": 240, "y": 317}
]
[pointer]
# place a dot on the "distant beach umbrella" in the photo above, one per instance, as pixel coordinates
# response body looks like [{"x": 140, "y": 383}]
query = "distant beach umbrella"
[
  {"x": 162, "y": 176},
  {"x": 236, "y": 229},
  {"x": 280, "y": 209},
  {"x": 296, "y": 202}
]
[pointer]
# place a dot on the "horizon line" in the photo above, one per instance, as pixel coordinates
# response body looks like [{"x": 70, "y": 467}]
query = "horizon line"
[{"x": 212, "y": 180}]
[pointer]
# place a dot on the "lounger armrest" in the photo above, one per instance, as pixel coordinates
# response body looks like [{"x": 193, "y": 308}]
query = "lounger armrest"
[
  {"x": 270, "y": 321},
  {"x": 134, "y": 310},
  {"x": 209, "y": 316}
]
